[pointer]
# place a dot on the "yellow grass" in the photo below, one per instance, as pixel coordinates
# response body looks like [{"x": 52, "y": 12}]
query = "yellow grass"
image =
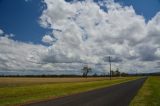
[
  {"x": 21, "y": 81},
  {"x": 21, "y": 90}
]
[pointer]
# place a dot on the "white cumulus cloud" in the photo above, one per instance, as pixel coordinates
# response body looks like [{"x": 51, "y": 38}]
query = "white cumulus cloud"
[
  {"x": 48, "y": 39},
  {"x": 85, "y": 33}
]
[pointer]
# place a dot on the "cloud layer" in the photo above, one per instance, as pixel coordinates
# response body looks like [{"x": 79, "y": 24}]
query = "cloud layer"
[
  {"x": 85, "y": 32},
  {"x": 88, "y": 33}
]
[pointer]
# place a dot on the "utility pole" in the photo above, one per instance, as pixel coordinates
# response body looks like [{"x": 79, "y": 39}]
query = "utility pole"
[{"x": 110, "y": 66}]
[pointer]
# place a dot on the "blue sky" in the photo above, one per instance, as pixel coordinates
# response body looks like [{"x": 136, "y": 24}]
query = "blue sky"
[
  {"x": 21, "y": 18},
  {"x": 147, "y": 8}
]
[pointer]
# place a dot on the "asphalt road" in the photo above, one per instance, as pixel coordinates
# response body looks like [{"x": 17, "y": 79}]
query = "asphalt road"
[{"x": 117, "y": 95}]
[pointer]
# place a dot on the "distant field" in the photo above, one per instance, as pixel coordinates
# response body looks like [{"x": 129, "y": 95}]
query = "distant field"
[
  {"x": 22, "y": 90},
  {"x": 149, "y": 94},
  {"x": 21, "y": 81}
]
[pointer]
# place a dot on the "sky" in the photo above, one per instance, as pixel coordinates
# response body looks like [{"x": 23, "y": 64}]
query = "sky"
[{"x": 61, "y": 36}]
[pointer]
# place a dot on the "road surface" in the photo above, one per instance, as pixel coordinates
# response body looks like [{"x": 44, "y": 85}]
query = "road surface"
[{"x": 116, "y": 95}]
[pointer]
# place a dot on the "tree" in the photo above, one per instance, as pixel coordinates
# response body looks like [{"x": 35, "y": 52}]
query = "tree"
[
  {"x": 112, "y": 73},
  {"x": 95, "y": 75},
  {"x": 117, "y": 72},
  {"x": 86, "y": 70},
  {"x": 124, "y": 74}
]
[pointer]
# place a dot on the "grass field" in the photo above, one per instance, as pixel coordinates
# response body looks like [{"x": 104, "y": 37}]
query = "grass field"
[
  {"x": 15, "y": 91},
  {"x": 149, "y": 94},
  {"x": 21, "y": 81}
]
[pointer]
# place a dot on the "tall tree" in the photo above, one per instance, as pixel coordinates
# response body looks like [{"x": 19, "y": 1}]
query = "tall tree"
[{"x": 86, "y": 70}]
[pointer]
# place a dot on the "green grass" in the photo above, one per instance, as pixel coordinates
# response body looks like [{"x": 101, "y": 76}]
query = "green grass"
[
  {"x": 149, "y": 94},
  {"x": 12, "y": 95}
]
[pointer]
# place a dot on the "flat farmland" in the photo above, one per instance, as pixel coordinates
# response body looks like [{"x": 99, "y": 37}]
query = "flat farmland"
[
  {"x": 16, "y": 91},
  {"x": 21, "y": 81}
]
